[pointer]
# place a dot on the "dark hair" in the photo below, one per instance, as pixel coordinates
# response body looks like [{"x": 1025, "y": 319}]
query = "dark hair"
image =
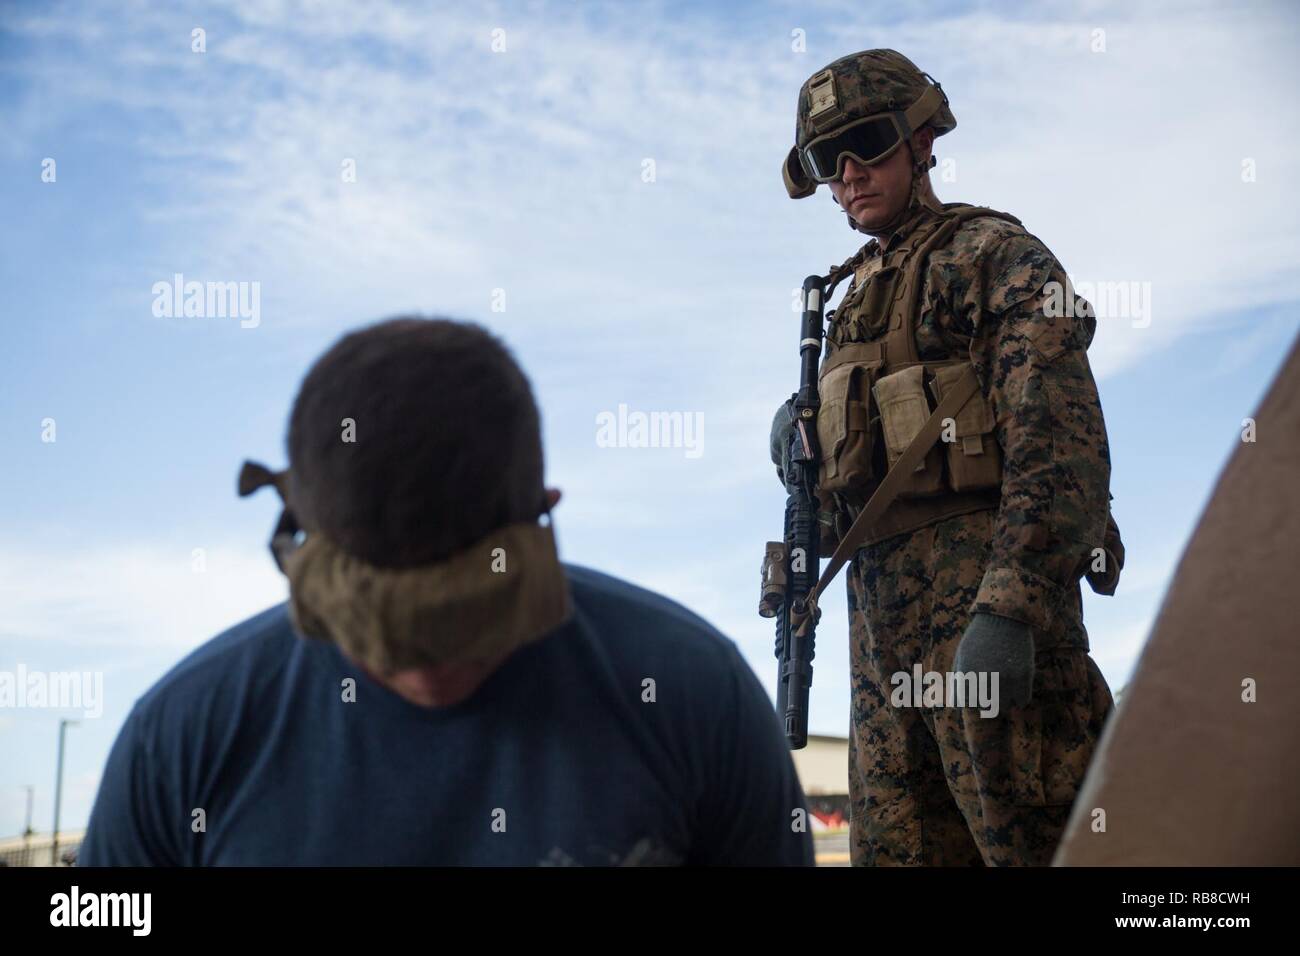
[{"x": 446, "y": 445}]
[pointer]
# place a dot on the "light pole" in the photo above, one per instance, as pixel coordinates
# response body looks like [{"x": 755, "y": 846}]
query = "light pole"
[
  {"x": 27, "y": 830},
  {"x": 58, "y": 793}
]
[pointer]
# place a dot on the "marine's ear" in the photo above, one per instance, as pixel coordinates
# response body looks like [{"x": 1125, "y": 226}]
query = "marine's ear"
[{"x": 923, "y": 145}]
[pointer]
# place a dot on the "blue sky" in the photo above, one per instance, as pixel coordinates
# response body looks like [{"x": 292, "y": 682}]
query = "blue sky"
[{"x": 521, "y": 170}]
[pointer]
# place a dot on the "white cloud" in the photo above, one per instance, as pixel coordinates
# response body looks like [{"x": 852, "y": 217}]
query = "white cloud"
[
  {"x": 521, "y": 169},
  {"x": 139, "y": 595}
]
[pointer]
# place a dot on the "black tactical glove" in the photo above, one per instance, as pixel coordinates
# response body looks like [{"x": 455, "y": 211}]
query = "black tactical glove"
[
  {"x": 995, "y": 643},
  {"x": 782, "y": 433}
]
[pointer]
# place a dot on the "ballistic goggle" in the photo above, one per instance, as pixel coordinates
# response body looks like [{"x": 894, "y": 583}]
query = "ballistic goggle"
[{"x": 868, "y": 140}]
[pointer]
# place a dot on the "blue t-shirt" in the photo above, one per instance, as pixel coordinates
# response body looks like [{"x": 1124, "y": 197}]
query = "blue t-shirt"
[{"x": 567, "y": 754}]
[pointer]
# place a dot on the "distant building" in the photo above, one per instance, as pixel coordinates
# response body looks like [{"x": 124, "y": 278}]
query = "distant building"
[
  {"x": 35, "y": 849},
  {"x": 823, "y": 768}
]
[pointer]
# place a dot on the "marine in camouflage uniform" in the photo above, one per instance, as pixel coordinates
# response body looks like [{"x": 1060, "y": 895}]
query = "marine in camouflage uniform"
[{"x": 944, "y": 785}]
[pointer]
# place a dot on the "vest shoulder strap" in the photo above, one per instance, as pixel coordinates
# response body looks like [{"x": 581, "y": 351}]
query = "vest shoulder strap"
[{"x": 900, "y": 346}]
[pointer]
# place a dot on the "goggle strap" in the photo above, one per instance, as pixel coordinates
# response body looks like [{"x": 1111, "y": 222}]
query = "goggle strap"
[{"x": 926, "y": 105}]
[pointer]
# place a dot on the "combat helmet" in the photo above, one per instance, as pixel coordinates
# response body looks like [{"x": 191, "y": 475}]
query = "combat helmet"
[{"x": 864, "y": 105}]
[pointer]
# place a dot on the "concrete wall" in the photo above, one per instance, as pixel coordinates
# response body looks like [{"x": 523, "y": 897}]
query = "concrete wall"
[{"x": 823, "y": 765}]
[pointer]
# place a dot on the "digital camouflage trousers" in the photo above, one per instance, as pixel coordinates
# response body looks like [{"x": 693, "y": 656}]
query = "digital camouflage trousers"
[{"x": 941, "y": 785}]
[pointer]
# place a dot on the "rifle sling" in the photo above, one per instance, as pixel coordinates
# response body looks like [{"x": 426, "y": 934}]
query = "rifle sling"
[{"x": 888, "y": 489}]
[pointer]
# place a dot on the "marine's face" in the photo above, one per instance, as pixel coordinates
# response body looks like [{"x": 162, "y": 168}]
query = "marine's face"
[{"x": 875, "y": 195}]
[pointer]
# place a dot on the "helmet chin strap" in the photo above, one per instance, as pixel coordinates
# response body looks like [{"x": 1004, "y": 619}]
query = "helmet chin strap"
[{"x": 917, "y": 196}]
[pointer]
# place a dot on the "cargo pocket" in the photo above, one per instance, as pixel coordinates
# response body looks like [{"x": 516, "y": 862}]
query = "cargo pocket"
[
  {"x": 974, "y": 458},
  {"x": 844, "y": 429},
  {"x": 872, "y": 307},
  {"x": 903, "y": 407},
  {"x": 1103, "y": 577},
  {"x": 1054, "y": 737}
]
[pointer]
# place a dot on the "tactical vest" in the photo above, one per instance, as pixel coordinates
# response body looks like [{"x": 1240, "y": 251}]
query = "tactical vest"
[{"x": 875, "y": 397}]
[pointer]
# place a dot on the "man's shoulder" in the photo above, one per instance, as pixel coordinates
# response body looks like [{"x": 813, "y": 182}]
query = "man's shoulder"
[
  {"x": 231, "y": 664},
  {"x": 629, "y": 615},
  {"x": 983, "y": 234},
  {"x": 995, "y": 260}
]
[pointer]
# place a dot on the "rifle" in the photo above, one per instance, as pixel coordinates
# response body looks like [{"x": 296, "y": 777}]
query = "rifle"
[
  {"x": 791, "y": 586},
  {"x": 790, "y": 566}
]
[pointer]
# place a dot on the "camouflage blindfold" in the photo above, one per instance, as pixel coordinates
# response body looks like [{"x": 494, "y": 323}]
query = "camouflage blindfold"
[{"x": 503, "y": 592}]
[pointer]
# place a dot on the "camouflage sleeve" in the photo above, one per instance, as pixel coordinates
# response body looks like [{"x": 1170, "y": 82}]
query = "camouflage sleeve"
[{"x": 1030, "y": 353}]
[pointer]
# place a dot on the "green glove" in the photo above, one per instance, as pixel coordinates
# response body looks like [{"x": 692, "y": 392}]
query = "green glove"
[
  {"x": 782, "y": 432},
  {"x": 995, "y": 643}
]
